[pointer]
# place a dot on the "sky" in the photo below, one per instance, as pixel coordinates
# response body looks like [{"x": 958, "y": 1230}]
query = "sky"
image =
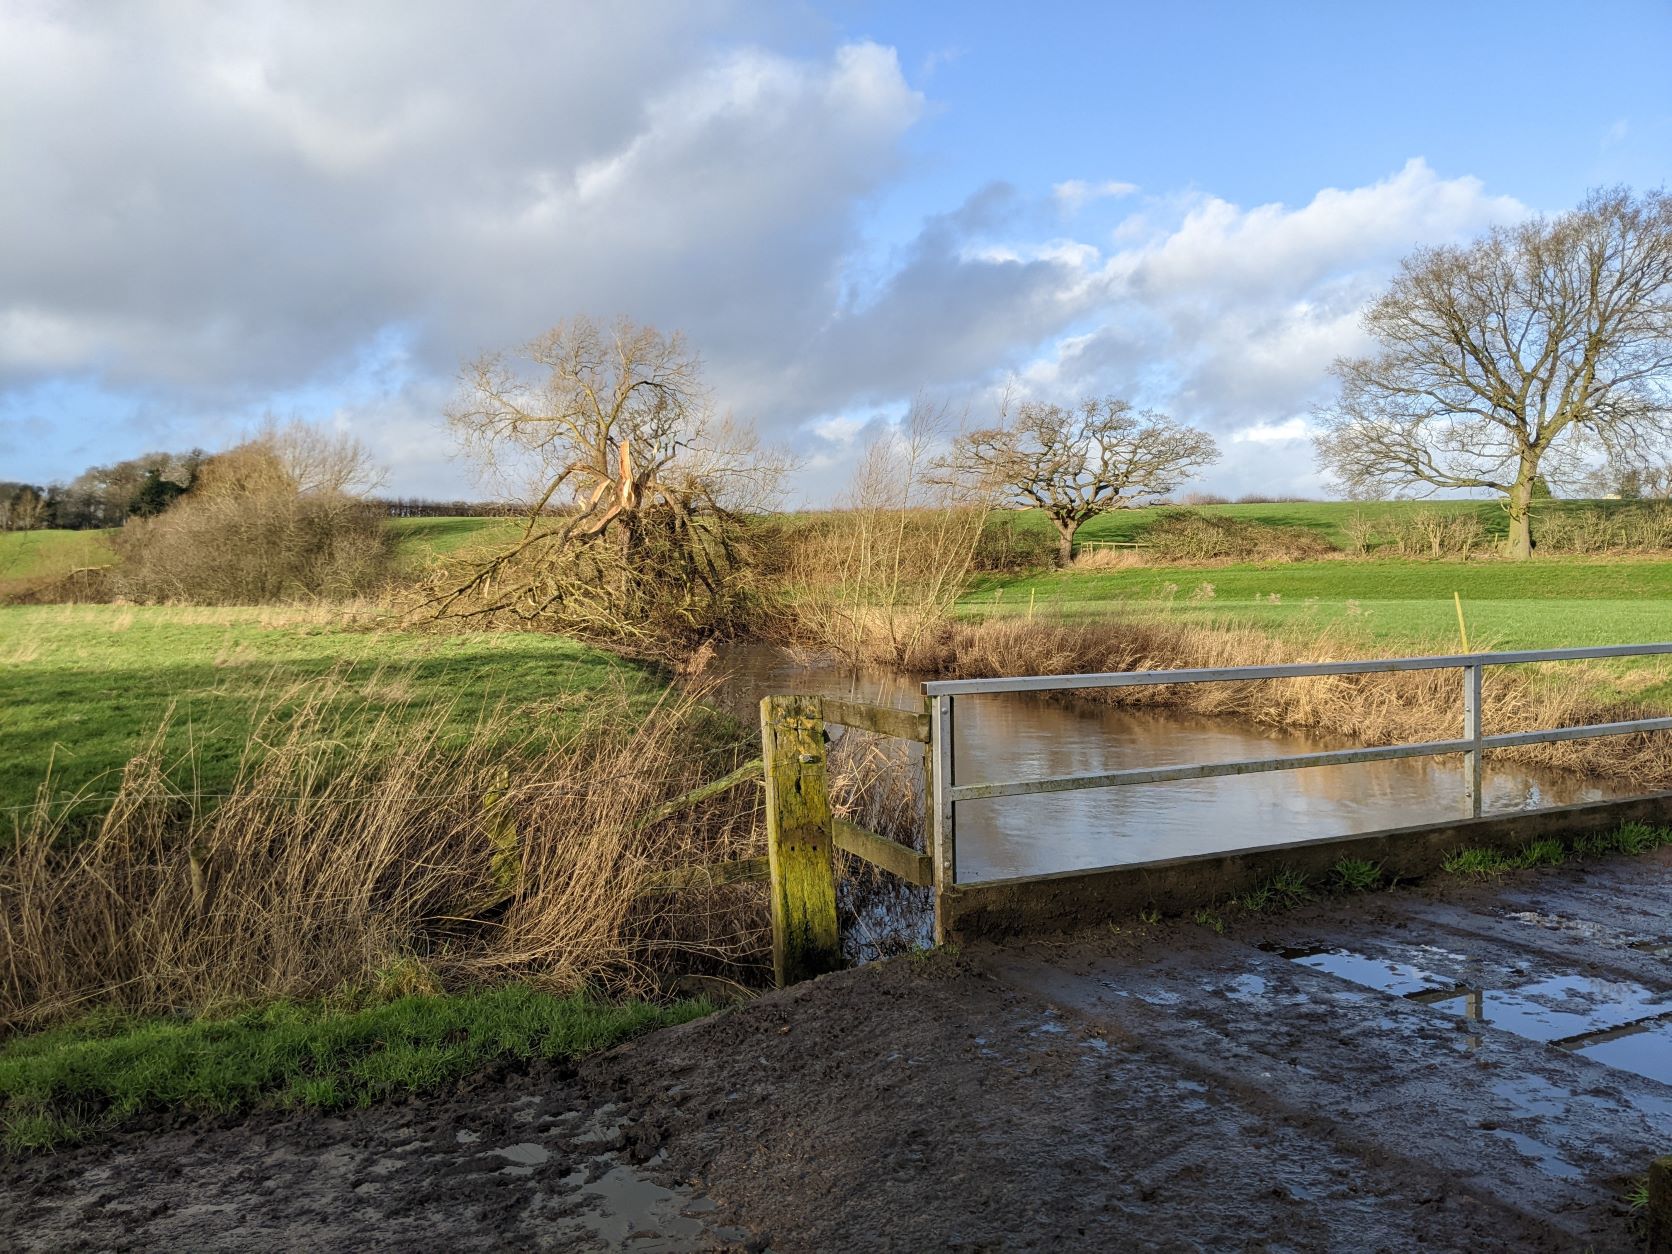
[{"x": 220, "y": 211}]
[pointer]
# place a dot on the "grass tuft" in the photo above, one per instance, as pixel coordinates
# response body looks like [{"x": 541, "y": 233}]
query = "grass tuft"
[
  {"x": 1637, "y": 1195},
  {"x": 1355, "y": 875},
  {"x": 1478, "y": 862},
  {"x": 1631, "y": 839},
  {"x": 1542, "y": 853},
  {"x": 1283, "y": 891}
]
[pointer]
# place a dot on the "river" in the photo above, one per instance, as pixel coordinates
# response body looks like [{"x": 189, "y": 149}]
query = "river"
[{"x": 1027, "y": 735}]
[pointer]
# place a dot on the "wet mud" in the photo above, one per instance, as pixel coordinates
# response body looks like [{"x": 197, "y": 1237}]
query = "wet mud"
[{"x": 1464, "y": 1067}]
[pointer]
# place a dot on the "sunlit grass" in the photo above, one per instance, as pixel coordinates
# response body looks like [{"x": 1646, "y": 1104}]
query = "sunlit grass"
[
  {"x": 62, "y": 1085},
  {"x": 83, "y": 686}
]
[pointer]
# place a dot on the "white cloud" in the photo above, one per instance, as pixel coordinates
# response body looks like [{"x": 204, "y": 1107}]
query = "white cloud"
[
  {"x": 1075, "y": 194},
  {"x": 236, "y": 218},
  {"x": 1229, "y": 317},
  {"x": 1286, "y": 432}
]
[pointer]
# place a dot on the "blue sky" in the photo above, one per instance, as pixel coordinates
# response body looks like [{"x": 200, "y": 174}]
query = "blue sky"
[
  {"x": 1269, "y": 102},
  {"x": 320, "y": 211}
]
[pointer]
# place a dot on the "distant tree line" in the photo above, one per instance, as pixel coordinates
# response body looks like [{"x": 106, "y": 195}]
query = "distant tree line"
[
  {"x": 102, "y": 496},
  {"x": 419, "y": 507},
  {"x": 145, "y": 486}
]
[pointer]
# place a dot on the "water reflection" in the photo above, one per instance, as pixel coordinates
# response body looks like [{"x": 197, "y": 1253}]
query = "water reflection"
[{"x": 1015, "y": 736}]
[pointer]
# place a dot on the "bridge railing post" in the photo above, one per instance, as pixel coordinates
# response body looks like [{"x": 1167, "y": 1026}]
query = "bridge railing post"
[
  {"x": 806, "y": 940},
  {"x": 942, "y": 809},
  {"x": 1472, "y": 759}
]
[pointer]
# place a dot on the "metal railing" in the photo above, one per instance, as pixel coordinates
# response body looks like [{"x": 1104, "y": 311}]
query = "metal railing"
[{"x": 947, "y": 792}]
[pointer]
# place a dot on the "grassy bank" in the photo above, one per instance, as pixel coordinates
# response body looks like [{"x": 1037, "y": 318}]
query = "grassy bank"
[
  {"x": 277, "y": 805},
  {"x": 34, "y": 559},
  {"x": 84, "y": 687},
  {"x": 1388, "y": 604},
  {"x": 63, "y": 1085}
]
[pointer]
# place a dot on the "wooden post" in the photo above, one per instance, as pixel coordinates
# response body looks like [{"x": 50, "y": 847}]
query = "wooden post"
[
  {"x": 1660, "y": 1206},
  {"x": 805, "y": 940}
]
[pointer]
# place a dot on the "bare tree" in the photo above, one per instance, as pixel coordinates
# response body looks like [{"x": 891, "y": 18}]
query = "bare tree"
[
  {"x": 22, "y": 507},
  {"x": 632, "y": 483},
  {"x": 1516, "y": 357},
  {"x": 318, "y": 460},
  {"x": 1077, "y": 463}
]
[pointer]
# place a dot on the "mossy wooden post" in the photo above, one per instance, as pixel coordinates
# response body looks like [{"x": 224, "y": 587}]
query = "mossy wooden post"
[
  {"x": 1660, "y": 1206},
  {"x": 805, "y": 941}
]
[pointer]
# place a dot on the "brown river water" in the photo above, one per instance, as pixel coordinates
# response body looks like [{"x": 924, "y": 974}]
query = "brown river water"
[{"x": 1028, "y": 735}]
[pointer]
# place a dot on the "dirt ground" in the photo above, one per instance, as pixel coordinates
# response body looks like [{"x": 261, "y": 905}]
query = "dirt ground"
[{"x": 1463, "y": 1067}]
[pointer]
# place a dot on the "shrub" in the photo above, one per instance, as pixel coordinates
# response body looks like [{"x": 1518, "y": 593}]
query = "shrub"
[
  {"x": 1185, "y": 535},
  {"x": 250, "y": 549},
  {"x": 270, "y": 520},
  {"x": 1644, "y": 526},
  {"x": 1008, "y": 543}
]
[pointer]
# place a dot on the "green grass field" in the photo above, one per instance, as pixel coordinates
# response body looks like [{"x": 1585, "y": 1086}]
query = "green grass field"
[
  {"x": 1545, "y": 604},
  {"x": 419, "y": 539},
  {"x": 35, "y": 555},
  {"x": 83, "y": 686},
  {"x": 1326, "y": 518},
  {"x": 32, "y": 557},
  {"x": 1386, "y": 606}
]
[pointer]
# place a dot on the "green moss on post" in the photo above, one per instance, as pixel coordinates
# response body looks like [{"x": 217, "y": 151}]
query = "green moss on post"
[
  {"x": 1660, "y": 1206},
  {"x": 805, "y": 941}
]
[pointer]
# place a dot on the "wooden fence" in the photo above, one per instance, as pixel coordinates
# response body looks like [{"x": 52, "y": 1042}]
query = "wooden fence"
[{"x": 802, "y": 831}]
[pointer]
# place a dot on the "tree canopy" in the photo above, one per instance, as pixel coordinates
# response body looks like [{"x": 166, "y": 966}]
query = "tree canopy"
[
  {"x": 1527, "y": 354},
  {"x": 1075, "y": 463}
]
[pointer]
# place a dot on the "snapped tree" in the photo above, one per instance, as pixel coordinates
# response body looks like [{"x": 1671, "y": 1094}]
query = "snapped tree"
[
  {"x": 1076, "y": 463},
  {"x": 1519, "y": 358},
  {"x": 635, "y": 490}
]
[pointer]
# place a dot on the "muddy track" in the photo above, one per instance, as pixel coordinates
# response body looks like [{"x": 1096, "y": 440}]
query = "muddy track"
[{"x": 1156, "y": 1088}]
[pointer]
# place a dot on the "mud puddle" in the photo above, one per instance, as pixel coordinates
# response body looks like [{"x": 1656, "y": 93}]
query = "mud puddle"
[
  {"x": 624, "y": 1210},
  {"x": 1595, "y": 933},
  {"x": 1644, "y": 1047},
  {"x": 1618, "y": 1023}
]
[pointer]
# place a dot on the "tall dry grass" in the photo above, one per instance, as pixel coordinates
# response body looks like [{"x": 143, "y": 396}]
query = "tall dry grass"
[
  {"x": 1385, "y": 708},
  {"x": 872, "y": 580},
  {"x": 516, "y": 851}
]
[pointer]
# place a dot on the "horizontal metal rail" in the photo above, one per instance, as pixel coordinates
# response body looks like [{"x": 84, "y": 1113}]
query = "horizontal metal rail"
[
  {"x": 1299, "y": 761},
  {"x": 946, "y": 792},
  {"x": 1286, "y": 670}
]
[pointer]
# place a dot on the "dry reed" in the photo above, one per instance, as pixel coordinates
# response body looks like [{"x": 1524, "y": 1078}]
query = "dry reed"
[{"x": 516, "y": 851}]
